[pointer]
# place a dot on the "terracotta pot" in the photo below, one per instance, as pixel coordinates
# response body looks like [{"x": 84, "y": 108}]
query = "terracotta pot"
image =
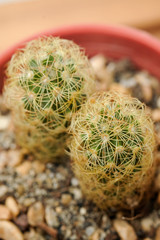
[{"x": 113, "y": 41}]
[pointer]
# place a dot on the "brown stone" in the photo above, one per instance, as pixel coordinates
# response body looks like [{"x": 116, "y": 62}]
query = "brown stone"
[
  {"x": 38, "y": 166},
  {"x": 3, "y": 159},
  {"x": 5, "y": 213},
  {"x": 9, "y": 231},
  {"x": 124, "y": 230},
  {"x": 12, "y": 205},
  {"x": 24, "y": 168},
  {"x": 36, "y": 214},
  {"x": 157, "y": 234},
  {"x": 14, "y": 158},
  {"x": 156, "y": 115}
]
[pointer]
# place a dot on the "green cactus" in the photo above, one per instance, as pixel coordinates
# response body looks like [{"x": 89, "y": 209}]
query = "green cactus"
[
  {"x": 112, "y": 149},
  {"x": 47, "y": 81}
]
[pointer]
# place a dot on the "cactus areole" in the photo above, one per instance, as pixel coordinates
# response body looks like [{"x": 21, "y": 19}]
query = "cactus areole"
[
  {"x": 47, "y": 81},
  {"x": 112, "y": 149}
]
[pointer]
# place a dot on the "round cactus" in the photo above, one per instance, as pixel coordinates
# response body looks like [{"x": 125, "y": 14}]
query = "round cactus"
[
  {"x": 112, "y": 149},
  {"x": 47, "y": 81}
]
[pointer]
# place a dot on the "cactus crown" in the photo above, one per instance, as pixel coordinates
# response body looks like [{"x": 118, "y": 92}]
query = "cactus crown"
[
  {"x": 52, "y": 76},
  {"x": 112, "y": 145},
  {"x": 47, "y": 81}
]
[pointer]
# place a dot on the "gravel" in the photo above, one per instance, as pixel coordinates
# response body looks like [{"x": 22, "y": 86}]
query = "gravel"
[{"x": 45, "y": 202}]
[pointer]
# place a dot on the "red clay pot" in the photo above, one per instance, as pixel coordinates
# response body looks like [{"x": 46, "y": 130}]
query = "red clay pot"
[{"x": 113, "y": 41}]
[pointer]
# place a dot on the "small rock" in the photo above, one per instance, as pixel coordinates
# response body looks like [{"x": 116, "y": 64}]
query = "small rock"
[
  {"x": 5, "y": 213},
  {"x": 20, "y": 190},
  {"x": 14, "y": 158},
  {"x": 156, "y": 115},
  {"x": 83, "y": 211},
  {"x": 22, "y": 222},
  {"x": 98, "y": 62},
  {"x": 147, "y": 224},
  {"x": 96, "y": 235},
  {"x": 58, "y": 210},
  {"x": 28, "y": 201},
  {"x": 36, "y": 214},
  {"x": 147, "y": 93},
  {"x": 124, "y": 230},
  {"x": 74, "y": 182},
  {"x": 142, "y": 78},
  {"x": 3, "y": 159},
  {"x": 33, "y": 235},
  {"x": 51, "y": 217},
  {"x": 89, "y": 230},
  {"x": 24, "y": 168},
  {"x": 3, "y": 190},
  {"x": 4, "y": 122},
  {"x": 119, "y": 88},
  {"x": 66, "y": 199},
  {"x": 38, "y": 166},
  {"x": 12, "y": 205},
  {"x": 106, "y": 223},
  {"x": 9, "y": 231},
  {"x": 157, "y": 233},
  {"x": 77, "y": 193}
]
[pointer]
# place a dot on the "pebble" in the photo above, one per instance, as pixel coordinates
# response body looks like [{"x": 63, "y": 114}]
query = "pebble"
[
  {"x": 147, "y": 224},
  {"x": 51, "y": 217},
  {"x": 119, "y": 88},
  {"x": 96, "y": 235},
  {"x": 14, "y": 158},
  {"x": 5, "y": 213},
  {"x": 4, "y": 122},
  {"x": 33, "y": 235},
  {"x": 83, "y": 211},
  {"x": 89, "y": 230},
  {"x": 106, "y": 222},
  {"x": 66, "y": 199},
  {"x": 157, "y": 237},
  {"x": 12, "y": 205},
  {"x": 24, "y": 168},
  {"x": 156, "y": 115},
  {"x": 9, "y": 231},
  {"x": 38, "y": 166},
  {"x": 3, "y": 159},
  {"x": 124, "y": 230},
  {"x": 28, "y": 201},
  {"x": 22, "y": 222},
  {"x": 74, "y": 182},
  {"x": 3, "y": 190},
  {"x": 77, "y": 193},
  {"x": 35, "y": 214},
  {"x": 58, "y": 210},
  {"x": 98, "y": 62}
]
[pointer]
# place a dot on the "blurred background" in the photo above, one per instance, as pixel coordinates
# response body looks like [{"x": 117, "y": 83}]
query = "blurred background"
[{"x": 19, "y": 19}]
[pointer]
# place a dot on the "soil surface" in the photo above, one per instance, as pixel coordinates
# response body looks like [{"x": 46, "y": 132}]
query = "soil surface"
[{"x": 44, "y": 201}]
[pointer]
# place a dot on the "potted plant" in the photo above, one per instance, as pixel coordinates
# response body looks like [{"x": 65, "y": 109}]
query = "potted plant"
[{"x": 116, "y": 43}]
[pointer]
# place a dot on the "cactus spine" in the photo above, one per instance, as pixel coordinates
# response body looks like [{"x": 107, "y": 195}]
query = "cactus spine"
[
  {"x": 47, "y": 81},
  {"x": 112, "y": 149}
]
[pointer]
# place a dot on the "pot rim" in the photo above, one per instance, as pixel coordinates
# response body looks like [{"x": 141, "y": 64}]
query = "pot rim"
[{"x": 121, "y": 31}]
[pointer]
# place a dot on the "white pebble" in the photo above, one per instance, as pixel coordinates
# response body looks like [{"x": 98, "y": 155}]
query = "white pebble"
[
  {"x": 89, "y": 230},
  {"x": 74, "y": 182},
  {"x": 83, "y": 211}
]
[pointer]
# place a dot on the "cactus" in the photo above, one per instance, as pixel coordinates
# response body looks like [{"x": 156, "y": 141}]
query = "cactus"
[
  {"x": 112, "y": 149},
  {"x": 47, "y": 81}
]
